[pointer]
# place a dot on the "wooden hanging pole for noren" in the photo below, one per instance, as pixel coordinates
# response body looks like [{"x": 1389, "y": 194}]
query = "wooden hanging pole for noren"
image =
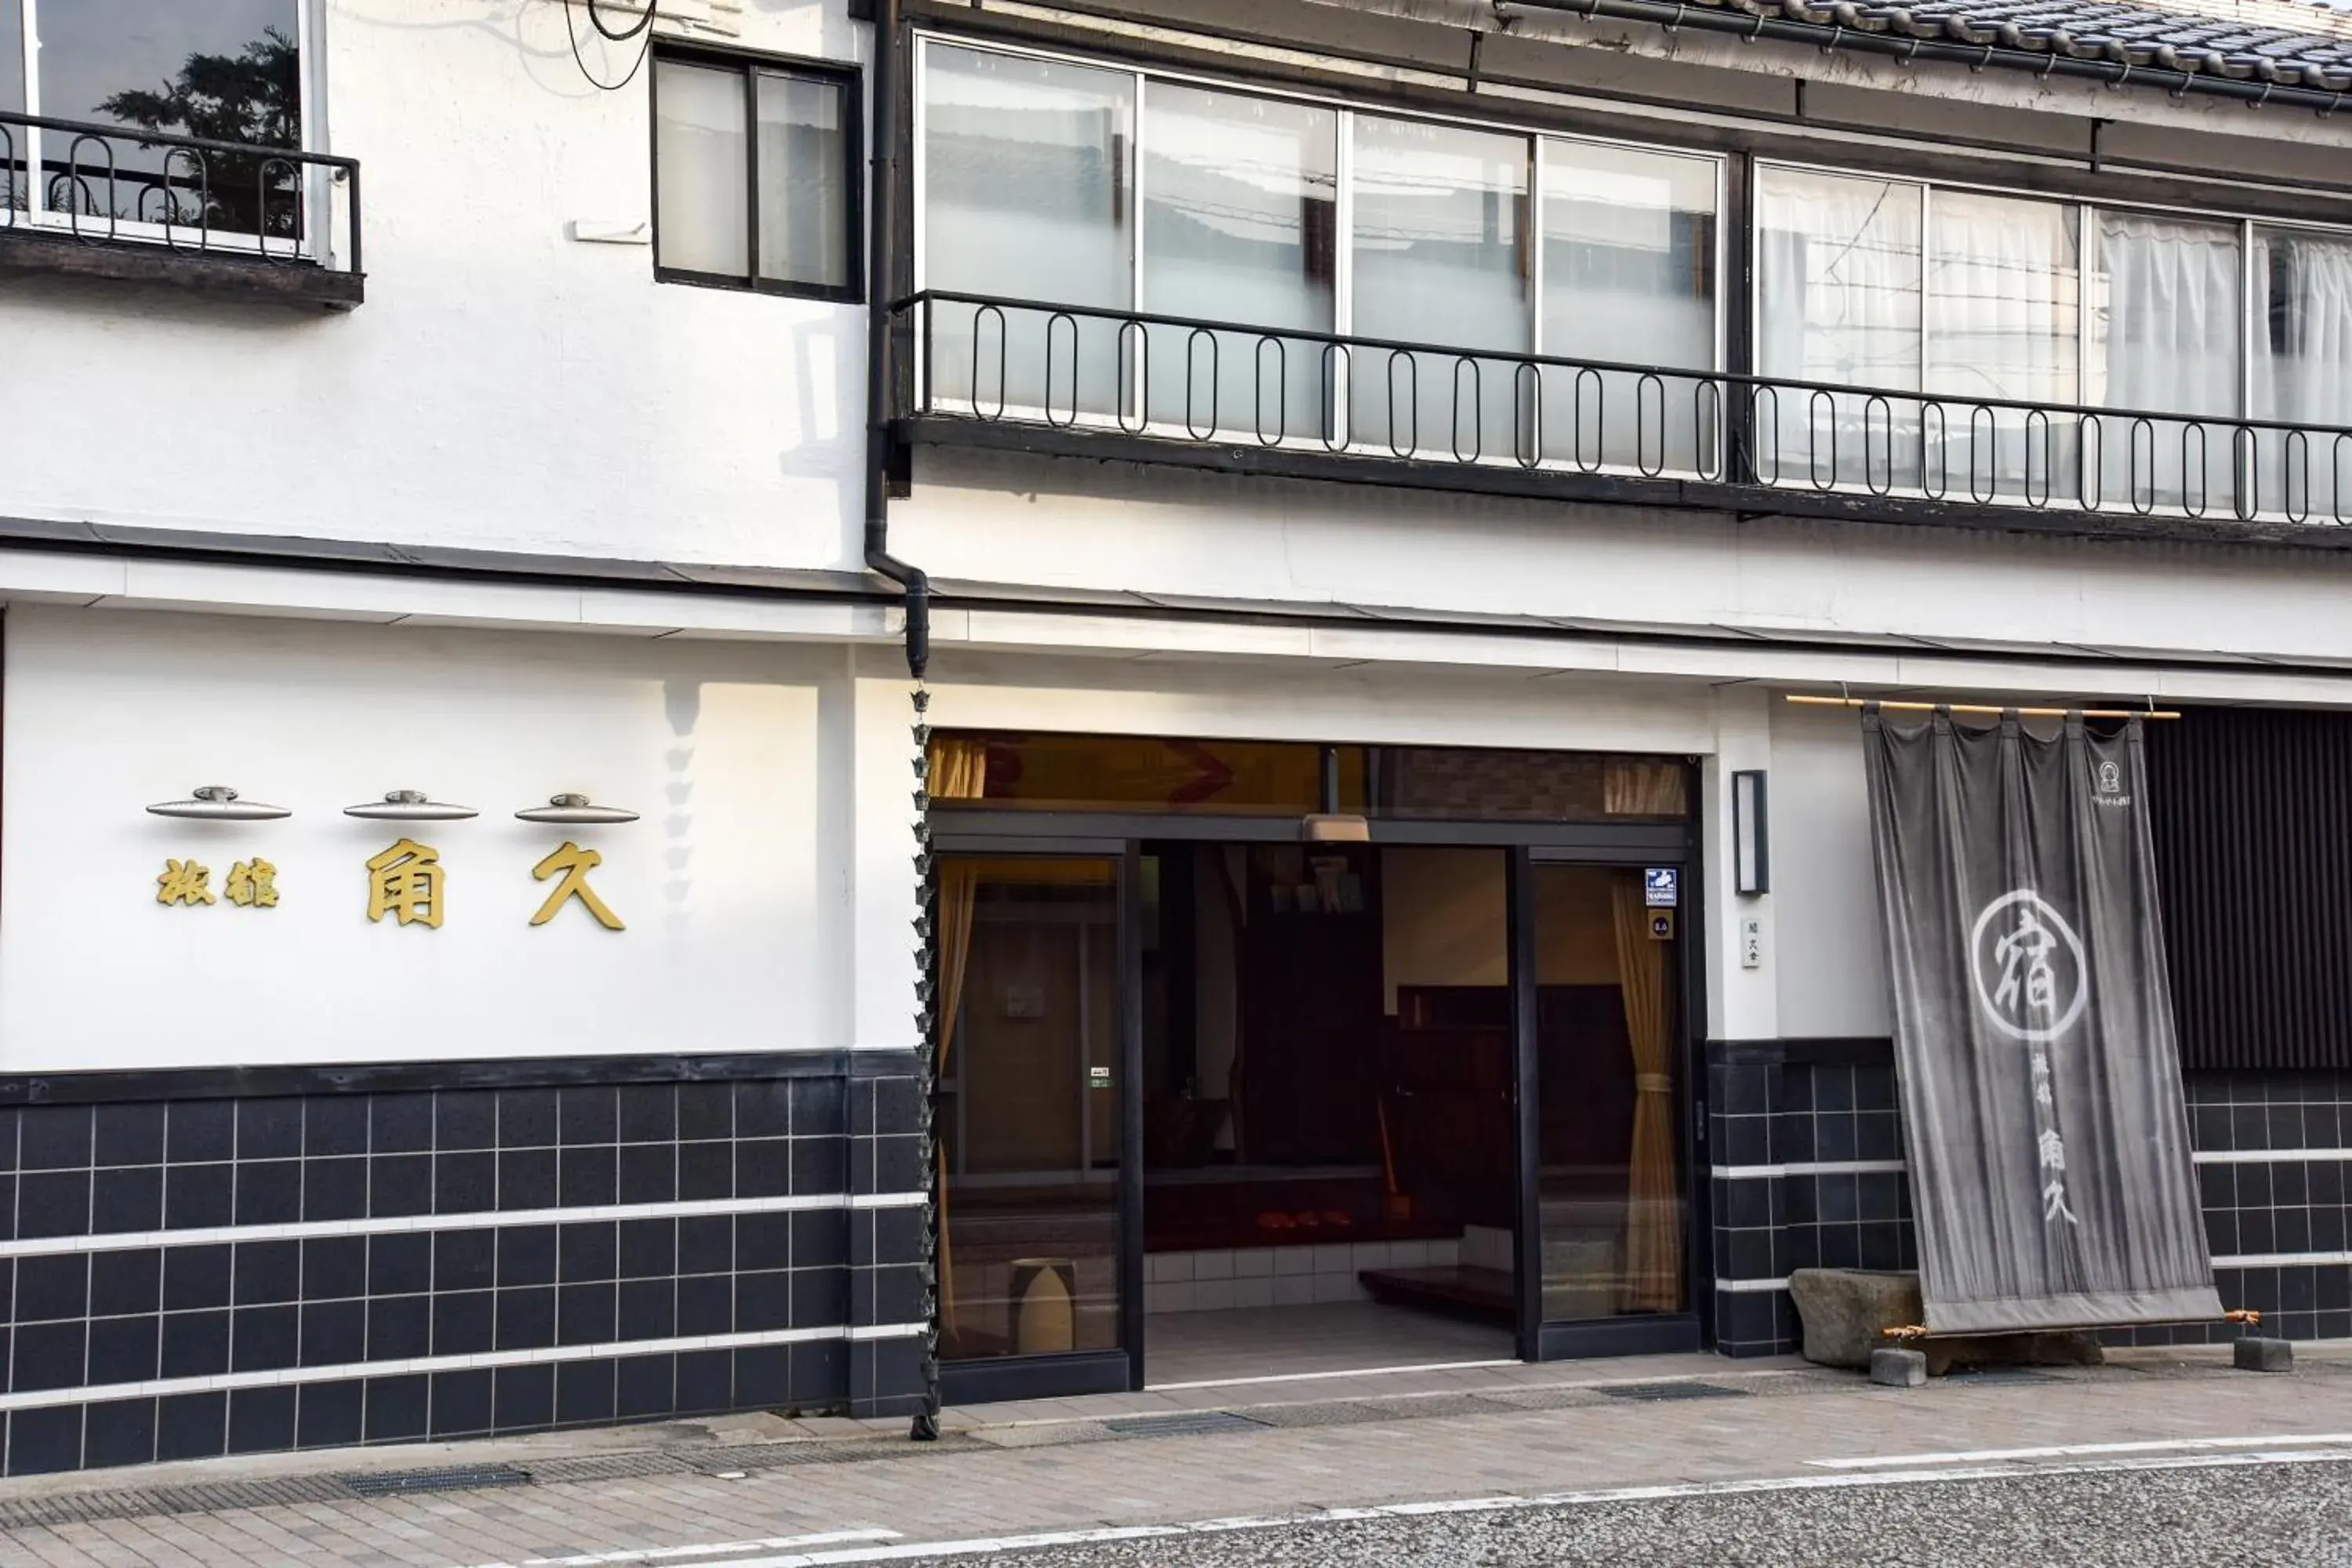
[{"x": 1894, "y": 707}]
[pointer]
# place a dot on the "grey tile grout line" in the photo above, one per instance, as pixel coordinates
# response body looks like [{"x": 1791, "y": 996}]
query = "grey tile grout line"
[{"x": 470, "y": 1219}]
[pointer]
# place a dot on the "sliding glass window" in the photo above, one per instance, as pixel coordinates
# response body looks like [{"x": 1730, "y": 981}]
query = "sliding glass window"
[
  {"x": 1240, "y": 223},
  {"x": 2165, "y": 336},
  {"x": 2300, "y": 362},
  {"x": 1165, "y": 254},
  {"x": 2003, "y": 308},
  {"x": 1443, "y": 255},
  {"x": 1971, "y": 300},
  {"x": 1208, "y": 263},
  {"x": 1028, "y": 194},
  {"x": 1977, "y": 323},
  {"x": 1629, "y": 278},
  {"x": 1838, "y": 282}
]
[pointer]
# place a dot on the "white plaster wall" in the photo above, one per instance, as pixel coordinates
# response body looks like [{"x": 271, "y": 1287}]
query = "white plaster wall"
[
  {"x": 736, "y": 886},
  {"x": 1828, "y": 947},
  {"x": 504, "y": 386},
  {"x": 1065, "y": 523}
]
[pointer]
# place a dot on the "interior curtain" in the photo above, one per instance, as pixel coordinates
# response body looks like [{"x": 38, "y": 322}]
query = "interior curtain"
[
  {"x": 2302, "y": 355},
  {"x": 1837, "y": 301},
  {"x": 1653, "y": 1234},
  {"x": 2004, "y": 290},
  {"x": 958, "y": 770},
  {"x": 2164, "y": 339},
  {"x": 1635, "y": 786}
]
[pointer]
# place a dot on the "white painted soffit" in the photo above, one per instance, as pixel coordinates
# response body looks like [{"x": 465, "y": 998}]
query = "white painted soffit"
[
  {"x": 1136, "y": 629},
  {"x": 390, "y": 598},
  {"x": 1887, "y": 669}
]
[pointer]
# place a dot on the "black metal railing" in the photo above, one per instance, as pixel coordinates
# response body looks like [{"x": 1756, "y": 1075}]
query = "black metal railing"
[
  {"x": 1209, "y": 382},
  {"x": 120, "y": 185}
]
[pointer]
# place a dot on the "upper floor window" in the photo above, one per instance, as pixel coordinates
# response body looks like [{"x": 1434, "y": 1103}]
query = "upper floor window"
[
  {"x": 2007, "y": 313},
  {"x": 1141, "y": 251},
  {"x": 215, "y": 70},
  {"x": 756, "y": 174},
  {"x": 1290, "y": 231}
]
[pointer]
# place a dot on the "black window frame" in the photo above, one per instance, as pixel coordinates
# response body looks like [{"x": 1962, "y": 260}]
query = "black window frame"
[{"x": 750, "y": 65}]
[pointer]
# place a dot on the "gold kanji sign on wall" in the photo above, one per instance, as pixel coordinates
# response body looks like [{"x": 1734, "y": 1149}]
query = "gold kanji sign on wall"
[
  {"x": 575, "y": 863},
  {"x": 405, "y": 882},
  {"x": 183, "y": 882},
  {"x": 253, "y": 884}
]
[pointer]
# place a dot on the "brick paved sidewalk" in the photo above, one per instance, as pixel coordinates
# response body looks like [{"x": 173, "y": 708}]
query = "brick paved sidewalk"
[{"x": 756, "y": 1483}]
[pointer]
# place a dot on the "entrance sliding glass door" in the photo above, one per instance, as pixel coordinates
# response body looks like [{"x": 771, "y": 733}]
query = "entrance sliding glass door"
[
  {"x": 1606, "y": 1199},
  {"x": 1032, "y": 1125}
]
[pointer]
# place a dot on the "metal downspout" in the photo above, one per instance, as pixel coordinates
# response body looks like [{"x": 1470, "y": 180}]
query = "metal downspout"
[{"x": 882, "y": 256}]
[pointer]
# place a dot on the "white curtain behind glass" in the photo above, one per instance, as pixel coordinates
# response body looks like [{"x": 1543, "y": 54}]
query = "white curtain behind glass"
[
  {"x": 1837, "y": 301},
  {"x": 2302, "y": 372},
  {"x": 702, "y": 152},
  {"x": 1027, "y": 195},
  {"x": 1240, "y": 198},
  {"x": 1441, "y": 254},
  {"x": 1629, "y": 279},
  {"x": 804, "y": 204},
  {"x": 2164, "y": 338},
  {"x": 2004, "y": 292}
]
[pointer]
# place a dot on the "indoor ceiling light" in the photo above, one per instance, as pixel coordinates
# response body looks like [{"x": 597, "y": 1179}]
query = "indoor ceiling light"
[
  {"x": 409, "y": 806},
  {"x": 575, "y": 808},
  {"x": 218, "y": 803}
]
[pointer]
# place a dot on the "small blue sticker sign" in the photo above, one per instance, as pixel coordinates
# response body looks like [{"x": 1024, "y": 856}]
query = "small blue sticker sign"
[{"x": 1662, "y": 886}]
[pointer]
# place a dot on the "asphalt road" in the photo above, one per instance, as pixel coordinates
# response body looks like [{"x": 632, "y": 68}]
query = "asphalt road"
[{"x": 2234, "y": 1513}]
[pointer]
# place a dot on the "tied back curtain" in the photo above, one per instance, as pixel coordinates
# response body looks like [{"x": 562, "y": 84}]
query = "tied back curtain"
[
  {"x": 957, "y": 770},
  {"x": 2048, "y": 1139},
  {"x": 1653, "y": 1278}
]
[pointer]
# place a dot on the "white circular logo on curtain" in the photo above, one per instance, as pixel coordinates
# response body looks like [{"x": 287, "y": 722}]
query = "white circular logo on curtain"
[{"x": 2028, "y": 967}]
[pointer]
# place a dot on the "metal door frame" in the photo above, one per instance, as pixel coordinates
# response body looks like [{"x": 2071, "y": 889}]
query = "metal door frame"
[
  {"x": 1647, "y": 1334},
  {"x": 1081, "y": 1371},
  {"x": 1120, "y": 836}
]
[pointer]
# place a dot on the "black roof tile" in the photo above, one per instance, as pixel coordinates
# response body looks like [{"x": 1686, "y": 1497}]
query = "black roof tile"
[{"x": 2134, "y": 34}]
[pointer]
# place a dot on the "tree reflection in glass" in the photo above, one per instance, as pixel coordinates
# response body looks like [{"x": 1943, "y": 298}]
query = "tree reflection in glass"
[{"x": 227, "y": 71}]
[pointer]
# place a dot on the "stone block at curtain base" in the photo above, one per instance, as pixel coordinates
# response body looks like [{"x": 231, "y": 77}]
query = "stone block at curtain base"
[
  {"x": 1846, "y": 1311},
  {"x": 2263, "y": 1355},
  {"x": 1894, "y": 1368}
]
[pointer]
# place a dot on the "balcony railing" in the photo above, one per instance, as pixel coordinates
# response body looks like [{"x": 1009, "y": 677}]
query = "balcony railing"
[
  {"x": 121, "y": 186},
  {"x": 1309, "y": 402}
]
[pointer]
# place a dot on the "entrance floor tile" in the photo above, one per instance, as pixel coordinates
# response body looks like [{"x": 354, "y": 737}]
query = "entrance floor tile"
[{"x": 1294, "y": 1342}]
